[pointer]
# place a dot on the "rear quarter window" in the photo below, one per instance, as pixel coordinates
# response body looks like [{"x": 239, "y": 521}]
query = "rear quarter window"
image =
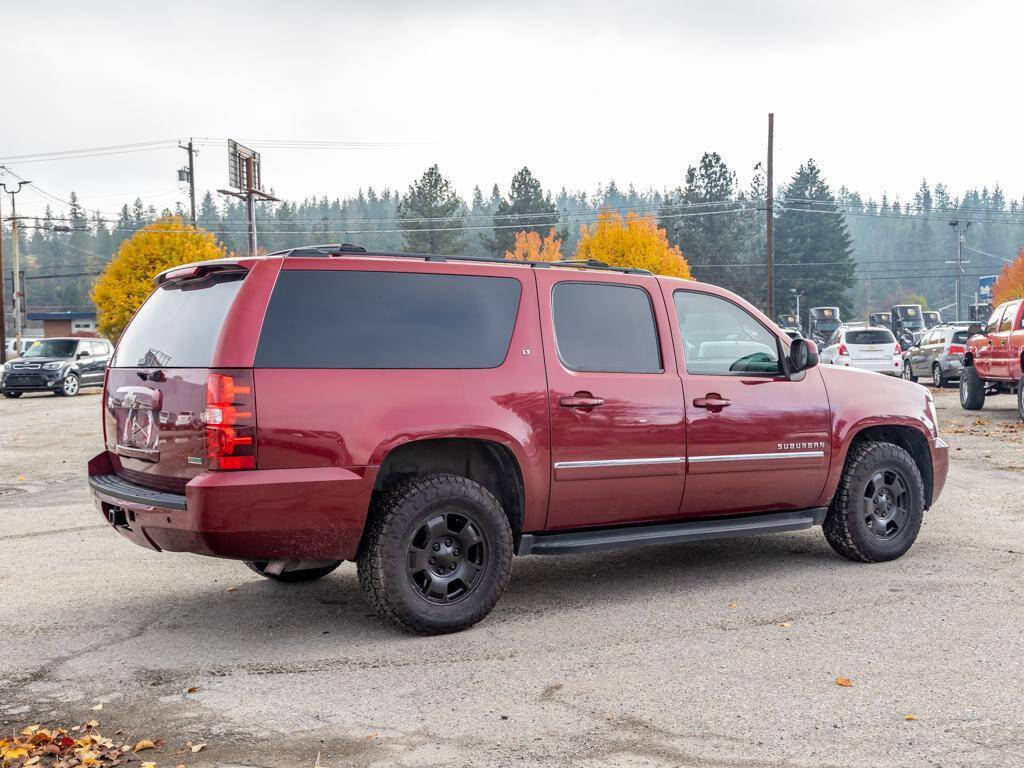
[
  {"x": 960, "y": 337},
  {"x": 356, "y": 319}
]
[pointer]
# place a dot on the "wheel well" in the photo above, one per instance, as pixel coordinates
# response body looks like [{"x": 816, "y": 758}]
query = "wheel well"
[
  {"x": 910, "y": 440},
  {"x": 488, "y": 463}
]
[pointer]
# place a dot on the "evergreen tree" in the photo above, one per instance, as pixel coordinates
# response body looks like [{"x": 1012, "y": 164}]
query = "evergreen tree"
[
  {"x": 813, "y": 251},
  {"x": 432, "y": 215},
  {"x": 527, "y": 209}
]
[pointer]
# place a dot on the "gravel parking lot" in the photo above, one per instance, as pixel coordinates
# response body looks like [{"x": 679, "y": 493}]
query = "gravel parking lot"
[{"x": 712, "y": 654}]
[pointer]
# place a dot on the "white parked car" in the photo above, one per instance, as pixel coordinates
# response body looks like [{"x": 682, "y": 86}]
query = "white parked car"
[{"x": 871, "y": 348}]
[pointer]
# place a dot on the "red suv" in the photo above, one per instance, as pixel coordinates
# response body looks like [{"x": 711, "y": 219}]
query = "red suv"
[
  {"x": 994, "y": 361},
  {"x": 430, "y": 417}
]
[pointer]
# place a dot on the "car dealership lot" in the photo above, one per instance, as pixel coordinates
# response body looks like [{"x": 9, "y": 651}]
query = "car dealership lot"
[{"x": 721, "y": 653}]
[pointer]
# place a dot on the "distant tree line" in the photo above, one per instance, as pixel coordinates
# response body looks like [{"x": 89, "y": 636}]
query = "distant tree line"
[{"x": 834, "y": 247}]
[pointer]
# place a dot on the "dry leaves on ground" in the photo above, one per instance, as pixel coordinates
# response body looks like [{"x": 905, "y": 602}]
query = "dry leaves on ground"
[
  {"x": 80, "y": 745},
  {"x": 845, "y": 682}
]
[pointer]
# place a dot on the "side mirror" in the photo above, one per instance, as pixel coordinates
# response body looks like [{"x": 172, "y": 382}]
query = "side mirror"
[
  {"x": 803, "y": 354},
  {"x": 81, "y": 354},
  {"x": 974, "y": 329}
]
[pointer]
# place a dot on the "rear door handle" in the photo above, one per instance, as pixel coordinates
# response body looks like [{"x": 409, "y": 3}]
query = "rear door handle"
[
  {"x": 581, "y": 400},
  {"x": 712, "y": 401}
]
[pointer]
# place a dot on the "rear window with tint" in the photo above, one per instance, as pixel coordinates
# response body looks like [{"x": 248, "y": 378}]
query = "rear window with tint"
[
  {"x": 960, "y": 337},
  {"x": 869, "y": 337},
  {"x": 179, "y": 324},
  {"x": 353, "y": 319}
]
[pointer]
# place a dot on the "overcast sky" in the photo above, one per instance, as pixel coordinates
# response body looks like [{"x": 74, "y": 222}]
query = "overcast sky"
[{"x": 880, "y": 93}]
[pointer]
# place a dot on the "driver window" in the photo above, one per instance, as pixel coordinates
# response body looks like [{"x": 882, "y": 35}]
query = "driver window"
[
  {"x": 1006, "y": 324},
  {"x": 834, "y": 338},
  {"x": 993, "y": 320},
  {"x": 722, "y": 339}
]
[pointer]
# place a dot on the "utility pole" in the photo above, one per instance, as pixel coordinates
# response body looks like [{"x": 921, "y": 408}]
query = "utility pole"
[
  {"x": 770, "y": 207},
  {"x": 960, "y": 231},
  {"x": 3, "y": 301},
  {"x": 250, "y": 209},
  {"x": 244, "y": 176},
  {"x": 16, "y": 282},
  {"x": 191, "y": 177}
]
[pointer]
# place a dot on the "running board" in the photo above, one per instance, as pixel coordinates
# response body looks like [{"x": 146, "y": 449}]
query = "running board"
[{"x": 601, "y": 539}]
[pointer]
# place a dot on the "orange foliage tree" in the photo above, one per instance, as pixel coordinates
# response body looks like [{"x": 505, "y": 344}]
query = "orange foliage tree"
[
  {"x": 635, "y": 241},
  {"x": 1010, "y": 283},
  {"x": 530, "y": 247}
]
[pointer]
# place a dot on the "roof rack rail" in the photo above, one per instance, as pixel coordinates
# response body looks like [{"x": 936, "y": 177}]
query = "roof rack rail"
[{"x": 346, "y": 249}]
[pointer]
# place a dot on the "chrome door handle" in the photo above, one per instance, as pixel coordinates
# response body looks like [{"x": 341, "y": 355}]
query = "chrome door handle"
[
  {"x": 581, "y": 400},
  {"x": 712, "y": 401}
]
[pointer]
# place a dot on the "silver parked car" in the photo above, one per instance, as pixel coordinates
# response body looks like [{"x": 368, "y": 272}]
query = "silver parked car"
[{"x": 938, "y": 355}]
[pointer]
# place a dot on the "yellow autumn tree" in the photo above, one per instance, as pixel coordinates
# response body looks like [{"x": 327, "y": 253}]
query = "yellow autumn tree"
[
  {"x": 530, "y": 247},
  {"x": 635, "y": 241},
  {"x": 1010, "y": 283},
  {"x": 128, "y": 279}
]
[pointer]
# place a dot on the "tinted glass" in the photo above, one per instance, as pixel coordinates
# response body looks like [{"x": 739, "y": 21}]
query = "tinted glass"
[
  {"x": 960, "y": 337},
  {"x": 52, "y": 348},
  {"x": 720, "y": 338},
  {"x": 178, "y": 325},
  {"x": 869, "y": 337},
  {"x": 602, "y": 327},
  {"x": 350, "y": 319}
]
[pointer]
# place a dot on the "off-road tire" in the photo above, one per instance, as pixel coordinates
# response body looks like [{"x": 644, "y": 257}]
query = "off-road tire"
[
  {"x": 908, "y": 371},
  {"x": 846, "y": 528},
  {"x": 972, "y": 390},
  {"x": 291, "y": 577},
  {"x": 13, "y": 395},
  {"x": 397, "y": 518},
  {"x": 938, "y": 377}
]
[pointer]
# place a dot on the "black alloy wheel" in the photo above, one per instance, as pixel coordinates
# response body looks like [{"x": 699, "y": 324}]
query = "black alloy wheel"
[
  {"x": 886, "y": 503},
  {"x": 446, "y": 556}
]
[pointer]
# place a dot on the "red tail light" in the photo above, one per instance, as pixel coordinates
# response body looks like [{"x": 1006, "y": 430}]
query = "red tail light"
[
  {"x": 898, "y": 350},
  {"x": 956, "y": 349},
  {"x": 843, "y": 350},
  {"x": 230, "y": 419}
]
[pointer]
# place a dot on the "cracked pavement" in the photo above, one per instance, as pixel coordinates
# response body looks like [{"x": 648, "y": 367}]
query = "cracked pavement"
[{"x": 670, "y": 656}]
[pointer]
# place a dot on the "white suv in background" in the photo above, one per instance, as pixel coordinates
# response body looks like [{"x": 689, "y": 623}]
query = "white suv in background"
[{"x": 870, "y": 348}]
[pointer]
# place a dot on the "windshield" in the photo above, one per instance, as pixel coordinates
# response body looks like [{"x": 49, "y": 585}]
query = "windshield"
[
  {"x": 52, "y": 348},
  {"x": 869, "y": 337}
]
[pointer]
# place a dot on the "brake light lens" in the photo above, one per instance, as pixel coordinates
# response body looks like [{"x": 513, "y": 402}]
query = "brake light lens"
[
  {"x": 230, "y": 419},
  {"x": 957, "y": 349},
  {"x": 843, "y": 350}
]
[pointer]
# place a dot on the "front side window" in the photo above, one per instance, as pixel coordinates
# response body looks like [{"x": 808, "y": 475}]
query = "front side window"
[
  {"x": 723, "y": 339},
  {"x": 993, "y": 320},
  {"x": 1006, "y": 323},
  {"x": 605, "y": 328}
]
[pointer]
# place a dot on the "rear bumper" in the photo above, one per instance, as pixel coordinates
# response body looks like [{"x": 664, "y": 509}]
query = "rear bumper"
[
  {"x": 315, "y": 513},
  {"x": 940, "y": 466},
  {"x": 893, "y": 366},
  {"x": 951, "y": 366}
]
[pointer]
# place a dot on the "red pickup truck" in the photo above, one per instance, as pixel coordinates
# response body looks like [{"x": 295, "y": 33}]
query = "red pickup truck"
[
  {"x": 994, "y": 359},
  {"x": 430, "y": 417}
]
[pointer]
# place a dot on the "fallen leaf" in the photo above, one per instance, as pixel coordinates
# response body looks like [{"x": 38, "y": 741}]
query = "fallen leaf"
[
  {"x": 193, "y": 689},
  {"x": 231, "y": 589},
  {"x": 733, "y": 604},
  {"x": 33, "y": 760},
  {"x": 92, "y": 724},
  {"x": 149, "y": 765},
  {"x": 144, "y": 744},
  {"x": 197, "y": 747},
  {"x": 98, "y": 707},
  {"x": 910, "y": 716},
  {"x": 21, "y": 478},
  {"x": 786, "y": 624},
  {"x": 14, "y": 753},
  {"x": 844, "y": 682},
  {"x": 29, "y": 730}
]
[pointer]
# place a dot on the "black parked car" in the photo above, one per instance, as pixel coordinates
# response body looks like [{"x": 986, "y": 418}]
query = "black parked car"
[{"x": 61, "y": 366}]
